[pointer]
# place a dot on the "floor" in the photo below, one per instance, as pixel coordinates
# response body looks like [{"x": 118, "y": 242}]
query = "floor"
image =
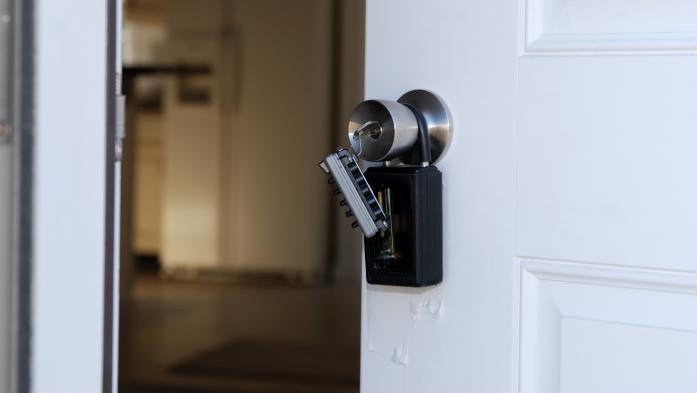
[{"x": 181, "y": 337}]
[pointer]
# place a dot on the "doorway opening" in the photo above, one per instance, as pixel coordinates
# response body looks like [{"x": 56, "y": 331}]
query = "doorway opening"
[{"x": 238, "y": 272}]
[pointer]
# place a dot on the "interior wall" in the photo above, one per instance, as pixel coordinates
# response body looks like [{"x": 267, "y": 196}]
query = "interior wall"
[
  {"x": 191, "y": 186},
  {"x": 281, "y": 128},
  {"x": 240, "y": 185},
  {"x": 238, "y": 171}
]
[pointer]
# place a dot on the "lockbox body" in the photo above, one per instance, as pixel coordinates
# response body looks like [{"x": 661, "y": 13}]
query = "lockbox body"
[{"x": 410, "y": 252}]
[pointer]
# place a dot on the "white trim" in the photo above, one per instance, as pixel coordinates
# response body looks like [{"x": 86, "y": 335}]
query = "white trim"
[{"x": 69, "y": 199}]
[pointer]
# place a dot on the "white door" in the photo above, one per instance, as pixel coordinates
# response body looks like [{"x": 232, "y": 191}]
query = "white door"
[{"x": 570, "y": 197}]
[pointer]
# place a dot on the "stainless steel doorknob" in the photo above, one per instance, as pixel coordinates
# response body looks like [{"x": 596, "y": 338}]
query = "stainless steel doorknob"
[{"x": 382, "y": 130}]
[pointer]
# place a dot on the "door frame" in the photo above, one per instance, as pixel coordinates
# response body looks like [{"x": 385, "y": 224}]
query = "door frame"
[
  {"x": 112, "y": 164},
  {"x": 23, "y": 140},
  {"x": 38, "y": 304}
]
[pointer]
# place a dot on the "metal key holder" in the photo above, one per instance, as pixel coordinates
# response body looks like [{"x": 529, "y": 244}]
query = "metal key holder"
[{"x": 398, "y": 205}]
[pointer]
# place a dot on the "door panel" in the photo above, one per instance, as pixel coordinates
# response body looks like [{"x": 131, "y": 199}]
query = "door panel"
[
  {"x": 569, "y": 197},
  {"x": 606, "y": 159},
  {"x": 558, "y": 26},
  {"x": 593, "y": 328}
]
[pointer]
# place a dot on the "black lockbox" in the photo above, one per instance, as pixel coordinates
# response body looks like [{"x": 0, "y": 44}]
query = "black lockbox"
[{"x": 410, "y": 252}]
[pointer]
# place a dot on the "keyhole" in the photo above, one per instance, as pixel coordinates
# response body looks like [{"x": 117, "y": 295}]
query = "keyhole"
[{"x": 372, "y": 128}]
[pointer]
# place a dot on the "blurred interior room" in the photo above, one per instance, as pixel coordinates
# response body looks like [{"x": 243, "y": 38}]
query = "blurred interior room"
[{"x": 238, "y": 272}]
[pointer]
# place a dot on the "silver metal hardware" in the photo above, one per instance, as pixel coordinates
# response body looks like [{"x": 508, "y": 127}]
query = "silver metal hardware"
[
  {"x": 371, "y": 128},
  {"x": 416, "y": 129},
  {"x": 349, "y": 180},
  {"x": 438, "y": 122},
  {"x": 399, "y": 128}
]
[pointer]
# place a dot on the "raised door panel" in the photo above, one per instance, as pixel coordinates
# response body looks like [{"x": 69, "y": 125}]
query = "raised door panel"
[
  {"x": 607, "y": 170},
  {"x": 554, "y": 26},
  {"x": 592, "y": 328}
]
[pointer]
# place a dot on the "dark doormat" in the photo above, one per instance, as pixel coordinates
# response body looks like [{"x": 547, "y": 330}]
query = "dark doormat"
[{"x": 277, "y": 361}]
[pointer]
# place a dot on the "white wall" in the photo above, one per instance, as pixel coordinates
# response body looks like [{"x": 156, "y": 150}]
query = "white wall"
[
  {"x": 241, "y": 190},
  {"x": 281, "y": 129},
  {"x": 239, "y": 184},
  {"x": 69, "y": 200}
]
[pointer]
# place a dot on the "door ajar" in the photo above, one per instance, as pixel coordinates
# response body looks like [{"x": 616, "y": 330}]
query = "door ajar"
[{"x": 569, "y": 213}]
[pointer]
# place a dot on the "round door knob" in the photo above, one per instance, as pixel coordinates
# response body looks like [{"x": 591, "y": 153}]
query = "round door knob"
[{"x": 380, "y": 130}]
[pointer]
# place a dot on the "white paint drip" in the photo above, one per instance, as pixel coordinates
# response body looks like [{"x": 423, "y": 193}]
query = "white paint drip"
[
  {"x": 431, "y": 307},
  {"x": 369, "y": 307},
  {"x": 417, "y": 309},
  {"x": 435, "y": 308},
  {"x": 400, "y": 356}
]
